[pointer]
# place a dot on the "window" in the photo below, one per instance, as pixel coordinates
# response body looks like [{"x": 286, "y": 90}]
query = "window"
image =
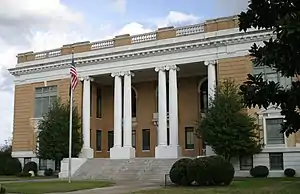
[
  {"x": 91, "y": 100},
  {"x": 146, "y": 139},
  {"x": 271, "y": 75},
  {"x": 99, "y": 103},
  {"x": 133, "y": 138},
  {"x": 168, "y": 136},
  {"x": 246, "y": 162},
  {"x": 42, "y": 164},
  {"x": 110, "y": 139},
  {"x": 26, "y": 160},
  {"x": 273, "y": 128},
  {"x": 189, "y": 138},
  {"x": 98, "y": 140},
  {"x": 276, "y": 161},
  {"x": 133, "y": 102},
  {"x": 44, "y": 97},
  {"x": 204, "y": 97}
]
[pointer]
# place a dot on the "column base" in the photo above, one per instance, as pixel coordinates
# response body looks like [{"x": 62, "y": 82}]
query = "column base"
[
  {"x": 167, "y": 152},
  {"x": 86, "y": 153},
  {"x": 122, "y": 153}
]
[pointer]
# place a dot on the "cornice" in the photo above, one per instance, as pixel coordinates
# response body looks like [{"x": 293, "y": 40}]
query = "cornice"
[{"x": 191, "y": 45}]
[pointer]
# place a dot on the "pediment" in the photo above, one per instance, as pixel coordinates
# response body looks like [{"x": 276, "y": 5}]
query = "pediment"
[{"x": 271, "y": 109}]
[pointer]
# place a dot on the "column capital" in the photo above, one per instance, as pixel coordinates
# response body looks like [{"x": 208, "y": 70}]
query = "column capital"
[
  {"x": 210, "y": 62},
  {"x": 129, "y": 73},
  {"x": 86, "y": 78},
  {"x": 122, "y": 73},
  {"x": 160, "y": 68},
  {"x": 172, "y": 67}
]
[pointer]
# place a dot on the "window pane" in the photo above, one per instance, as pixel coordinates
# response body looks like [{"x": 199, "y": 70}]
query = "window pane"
[
  {"x": 110, "y": 139},
  {"x": 273, "y": 131},
  {"x": 272, "y": 77},
  {"x": 99, "y": 103},
  {"x": 42, "y": 164},
  {"x": 276, "y": 161},
  {"x": 133, "y": 138},
  {"x": 246, "y": 162},
  {"x": 168, "y": 136},
  {"x": 189, "y": 138},
  {"x": 45, "y": 105},
  {"x": 98, "y": 140},
  {"x": 146, "y": 139},
  {"x": 38, "y": 107}
]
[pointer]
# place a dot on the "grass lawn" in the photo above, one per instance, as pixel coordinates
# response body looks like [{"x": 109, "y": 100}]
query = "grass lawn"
[
  {"x": 52, "y": 186},
  {"x": 246, "y": 186},
  {"x": 15, "y": 178}
]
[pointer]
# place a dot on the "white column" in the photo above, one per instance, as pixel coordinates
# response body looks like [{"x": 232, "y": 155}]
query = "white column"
[
  {"x": 127, "y": 151},
  {"x": 162, "y": 106},
  {"x": 173, "y": 105},
  {"x": 117, "y": 110},
  {"x": 86, "y": 152},
  {"x": 211, "y": 89},
  {"x": 127, "y": 115},
  {"x": 211, "y": 79}
]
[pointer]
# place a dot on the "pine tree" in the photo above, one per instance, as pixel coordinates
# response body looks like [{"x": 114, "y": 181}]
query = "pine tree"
[{"x": 227, "y": 127}]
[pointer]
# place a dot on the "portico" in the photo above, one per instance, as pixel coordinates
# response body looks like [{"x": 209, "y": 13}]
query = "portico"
[{"x": 167, "y": 123}]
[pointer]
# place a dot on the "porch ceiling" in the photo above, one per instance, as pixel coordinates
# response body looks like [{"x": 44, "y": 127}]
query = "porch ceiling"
[{"x": 186, "y": 70}]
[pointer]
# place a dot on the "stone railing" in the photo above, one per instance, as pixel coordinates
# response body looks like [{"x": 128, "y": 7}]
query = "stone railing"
[
  {"x": 47, "y": 54},
  {"x": 169, "y": 32}
]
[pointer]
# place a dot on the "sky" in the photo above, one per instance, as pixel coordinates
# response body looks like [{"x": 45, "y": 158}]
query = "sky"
[{"x": 36, "y": 25}]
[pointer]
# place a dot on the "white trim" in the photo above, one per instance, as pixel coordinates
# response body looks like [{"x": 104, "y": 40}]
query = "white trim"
[
  {"x": 194, "y": 48},
  {"x": 23, "y": 154},
  {"x": 266, "y": 135}
]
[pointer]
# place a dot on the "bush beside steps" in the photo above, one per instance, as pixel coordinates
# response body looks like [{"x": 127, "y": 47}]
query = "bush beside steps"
[{"x": 204, "y": 171}]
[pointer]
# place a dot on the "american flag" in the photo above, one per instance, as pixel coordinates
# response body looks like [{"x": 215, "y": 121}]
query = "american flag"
[{"x": 73, "y": 72}]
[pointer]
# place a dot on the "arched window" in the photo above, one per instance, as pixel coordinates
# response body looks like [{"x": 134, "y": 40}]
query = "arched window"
[{"x": 203, "y": 95}]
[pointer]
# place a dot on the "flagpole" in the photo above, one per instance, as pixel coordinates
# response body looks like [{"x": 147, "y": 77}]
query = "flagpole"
[{"x": 70, "y": 127}]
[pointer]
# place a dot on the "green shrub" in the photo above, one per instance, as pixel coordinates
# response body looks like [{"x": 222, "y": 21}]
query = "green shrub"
[
  {"x": 205, "y": 171},
  {"x": 220, "y": 171},
  {"x": 178, "y": 172},
  {"x": 199, "y": 172},
  {"x": 13, "y": 166},
  {"x": 289, "y": 172},
  {"x": 48, "y": 172},
  {"x": 2, "y": 189},
  {"x": 4, "y": 156},
  {"x": 259, "y": 171},
  {"x": 30, "y": 166},
  {"x": 24, "y": 174}
]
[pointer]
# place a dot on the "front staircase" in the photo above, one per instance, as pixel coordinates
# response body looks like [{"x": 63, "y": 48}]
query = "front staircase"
[{"x": 138, "y": 169}]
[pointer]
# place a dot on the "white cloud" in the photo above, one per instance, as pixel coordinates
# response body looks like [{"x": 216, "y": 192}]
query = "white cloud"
[
  {"x": 175, "y": 18},
  {"x": 30, "y": 25}
]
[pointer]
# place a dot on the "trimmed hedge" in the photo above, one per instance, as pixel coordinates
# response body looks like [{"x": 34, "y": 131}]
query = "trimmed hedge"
[
  {"x": 259, "y": 171},
  {"x": 178, "y": 172},
  {"x": 289, "y": 172},
  {"x": 30, "y": 166},
  {"x": 204, "y": 171}
]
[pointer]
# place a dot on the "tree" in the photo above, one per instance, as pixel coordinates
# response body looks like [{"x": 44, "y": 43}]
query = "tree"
[
  {"x": 281, "y": 52},
  {"x": 227, "y": 127},
  {"x": 53, "y": 137}
]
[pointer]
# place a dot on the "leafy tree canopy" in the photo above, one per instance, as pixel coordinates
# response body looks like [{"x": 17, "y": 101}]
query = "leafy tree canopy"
[
  {"x": 53, "y": 137},
  {"x": 281, "y": 52},
  {"x": 227, "y": 127}
]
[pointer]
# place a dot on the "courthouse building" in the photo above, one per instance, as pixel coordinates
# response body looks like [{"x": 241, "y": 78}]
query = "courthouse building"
[{"x": 141, "y": 95}]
